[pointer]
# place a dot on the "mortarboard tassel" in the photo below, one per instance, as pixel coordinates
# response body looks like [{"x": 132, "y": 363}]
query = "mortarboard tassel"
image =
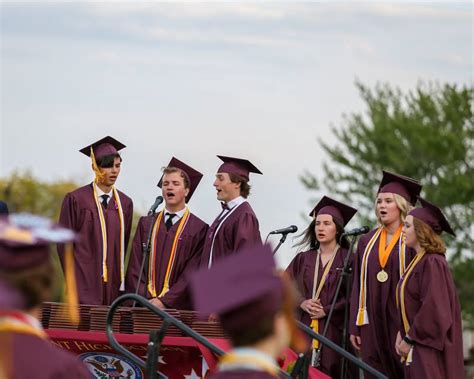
[
  {"x": 71, "y": 289},
  {"x": 98, "y": 174}
]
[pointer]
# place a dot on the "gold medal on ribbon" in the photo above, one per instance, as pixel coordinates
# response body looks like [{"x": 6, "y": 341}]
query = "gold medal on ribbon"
[
  {"x": 382, "y": 276},
  {"x": 385, "y": 251}
]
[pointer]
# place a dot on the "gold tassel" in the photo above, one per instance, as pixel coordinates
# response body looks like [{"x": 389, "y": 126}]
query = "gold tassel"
[
  {"x": 98, "y": 174},
  {"x": 315, "y": 327},
  {"x": 71, "y": 289}
]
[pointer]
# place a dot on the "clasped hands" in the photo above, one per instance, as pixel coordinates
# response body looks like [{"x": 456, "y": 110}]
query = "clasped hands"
[{"x": 314, "y": 308}]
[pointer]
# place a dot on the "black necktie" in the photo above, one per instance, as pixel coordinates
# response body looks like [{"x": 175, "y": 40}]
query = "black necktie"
[
  {"x": 225, "y": 207},
  {"x": 104, "y": 200},
  {"x": 169, "y": 220}
]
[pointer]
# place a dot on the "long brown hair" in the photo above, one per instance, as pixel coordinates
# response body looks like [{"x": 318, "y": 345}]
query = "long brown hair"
[
  {"x": 309, "y": 240},
  {"x": 427, "y": 238}
]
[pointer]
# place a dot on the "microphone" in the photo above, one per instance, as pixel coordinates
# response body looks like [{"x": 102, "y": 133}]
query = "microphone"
[
  {"x": 357, "y": 231},
  {"x": 158, "y": 201},
  {"x": 289, "y": 229}
]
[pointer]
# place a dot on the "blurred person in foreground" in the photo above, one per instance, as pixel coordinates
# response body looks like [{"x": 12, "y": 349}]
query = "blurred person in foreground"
[{"x": 27, "y": 279}]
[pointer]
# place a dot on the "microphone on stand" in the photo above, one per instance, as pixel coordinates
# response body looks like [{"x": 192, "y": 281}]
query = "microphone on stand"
[
  {"x": 357, "y": 231},
  {"x": 289, "y": 229},
  {"x": 284, "y": 233},
  {"x": 158, "y": 201}
]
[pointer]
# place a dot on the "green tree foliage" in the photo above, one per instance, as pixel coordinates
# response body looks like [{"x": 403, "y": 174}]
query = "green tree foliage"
[
  {"x": 427, "y": 134},
  {"x": 25, "y": 193}
]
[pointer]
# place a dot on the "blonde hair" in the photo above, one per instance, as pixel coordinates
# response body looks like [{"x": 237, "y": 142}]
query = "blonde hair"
[
  {"x": 402, "y": 204},
  {"x": 427, "y": 238}
]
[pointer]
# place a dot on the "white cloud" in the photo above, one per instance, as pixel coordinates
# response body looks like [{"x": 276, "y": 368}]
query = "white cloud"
[
  {"x": 358, "y": 45},
  {"x": 427, "y": 11},
  {"x": 193, "y": 10}
]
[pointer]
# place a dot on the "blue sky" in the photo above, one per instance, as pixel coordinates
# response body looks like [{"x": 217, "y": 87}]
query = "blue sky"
[{"x": 256, "y": 80}]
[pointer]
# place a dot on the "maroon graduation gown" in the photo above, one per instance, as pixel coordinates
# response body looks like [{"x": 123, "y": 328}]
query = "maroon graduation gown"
[
  {"x": 34, "y": 357},
  {"x": 434, "y": 315},
  {"x": 301, "y": 269},
  {"x": 238, "y": 231},
  {"x": 379, "y": 336},
  {"x": 79, "y": 213},
  {"x": 187, "y": 257}
]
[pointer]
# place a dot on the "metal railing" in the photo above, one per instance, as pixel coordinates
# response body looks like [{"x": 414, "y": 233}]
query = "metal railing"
[
  {"x": 156, "y": 336},
  {"x": 300, "y": 369},
  {"x": 339, "y": 350}
]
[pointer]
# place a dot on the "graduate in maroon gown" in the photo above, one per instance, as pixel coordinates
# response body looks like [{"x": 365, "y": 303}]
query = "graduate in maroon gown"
[
  {"x": 27, "y": 279},
  {"x": 177, "y": 240},
  {"x": 317, "y": 272},
  {"x": 102, "y": 217},
  {"x": 430, "y": 337},
  {"x": 255, "y": 307},
  {"x": 236, "y": 227},
  {"x": 382, "y": 257}
]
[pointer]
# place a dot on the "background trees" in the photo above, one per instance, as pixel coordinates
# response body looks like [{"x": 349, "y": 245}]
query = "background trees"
[{"x": 426, "y": 133}]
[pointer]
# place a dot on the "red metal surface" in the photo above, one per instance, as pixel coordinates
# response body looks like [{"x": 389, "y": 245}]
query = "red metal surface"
[{"x": 180, "y": 357}]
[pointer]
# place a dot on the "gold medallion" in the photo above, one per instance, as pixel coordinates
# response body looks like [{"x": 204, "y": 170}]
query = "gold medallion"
[{"x": 382, "y": 276}]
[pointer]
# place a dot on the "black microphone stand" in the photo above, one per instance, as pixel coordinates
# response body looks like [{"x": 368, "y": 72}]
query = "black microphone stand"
[
  {"x": 345, "y": 276},
  {"x": 145, "y": 255},
  {"x": 282, "y": 240}
]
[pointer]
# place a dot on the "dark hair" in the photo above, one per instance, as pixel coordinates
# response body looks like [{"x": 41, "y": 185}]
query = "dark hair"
[
  {"x": 107, "y": 161},
  {"x": 261, "y": 329},
  {"x": 36, "y": 284},
  {"x": 264, "y": 326},
  {"x": 310, "y": 241},
  {"x": 171, "y": 170},
  {"x": 244, "y": 185}
]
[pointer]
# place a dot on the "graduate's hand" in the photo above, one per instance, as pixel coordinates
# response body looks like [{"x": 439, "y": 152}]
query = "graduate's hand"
[
  {"x": 397, "y": 343},
  {"x": 356, "y": 342},
  {"x": 404, "y": 348},
  {"x": 157, "y": 303},
  {"x": 319, "y": 305},
  {"x": 319, "y": 314},
  {"x": 213, "y": 317},
  {"x": 310, "y": 306}
]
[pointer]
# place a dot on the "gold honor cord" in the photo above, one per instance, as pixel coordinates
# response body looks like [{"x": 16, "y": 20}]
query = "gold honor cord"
[
  {"x": 401, "y": 302},
  {"x": 362, "y": 314},
  {"x": 315, "y": 323},
  {"x": 151, "y": 263},
  {"x": 232, "y": 360},
  {"x": 402, "y": 254},
  {"x": 103, "y": 228},
  {"x": 11, "y": 324},
  {"x": 174, "y": 249}
]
